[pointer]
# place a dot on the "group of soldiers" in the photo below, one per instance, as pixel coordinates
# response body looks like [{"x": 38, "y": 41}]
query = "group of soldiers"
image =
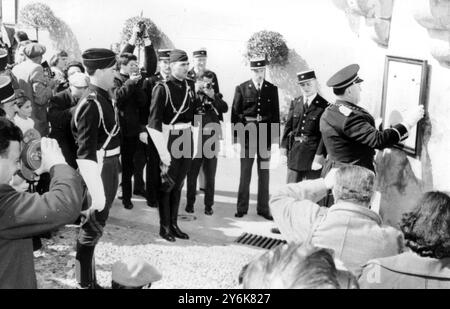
[{"x": 317, "y": 137}]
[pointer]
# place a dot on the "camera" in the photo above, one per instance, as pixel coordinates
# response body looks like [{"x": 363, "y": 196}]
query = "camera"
[
  {"x": 208, "y": 85},
  {"x": 47, "y": 70},
  {"x": 142, "y": 28}
]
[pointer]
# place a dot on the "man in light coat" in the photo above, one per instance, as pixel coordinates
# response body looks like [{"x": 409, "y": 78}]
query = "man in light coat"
[
  {"x": 349, "y": 227},
  {"x": 37, "y": 87}
]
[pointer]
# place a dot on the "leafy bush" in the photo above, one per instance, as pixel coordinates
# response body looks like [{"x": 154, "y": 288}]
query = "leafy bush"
[
  {"x": 270, "y": 44},
  {"x": 159, "y": 39}
]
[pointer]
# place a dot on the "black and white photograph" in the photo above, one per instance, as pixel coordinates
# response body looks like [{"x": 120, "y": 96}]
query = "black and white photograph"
[{"x": 204, "y": 148}]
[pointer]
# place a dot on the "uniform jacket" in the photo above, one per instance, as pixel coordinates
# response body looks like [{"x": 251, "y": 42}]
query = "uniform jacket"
[
  {"x": 249, "y": 103},
  {"x": 350, "y": 135},
  {"x": 161, "y": 109},
  {"x": 406, "y": 271},
  {"x": 193, "y": 76},
  {"x": 60, "y": 117},
  {"x": 304, "y": 122},
  {"x": 87, "y": 128},
  {"x": 355, "y": 233},
  {"x": 32, "y": 81},
  {"x": 23, "y": 215}
]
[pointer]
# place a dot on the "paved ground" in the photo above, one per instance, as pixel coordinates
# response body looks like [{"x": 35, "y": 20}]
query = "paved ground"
[{"x": 209, "y": 259}]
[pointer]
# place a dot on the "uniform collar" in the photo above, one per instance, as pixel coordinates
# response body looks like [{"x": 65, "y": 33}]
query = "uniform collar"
[
  {"x": 413, "y": 264},
  {"x": 310, "y": 99},
  {"x": 100, "y": 91},
  {"x": 355, "y": 209},
  {"x": 256, "y": 85},
  {"x": 349, "y": 105},
  {"x": 176, "y": 80}
]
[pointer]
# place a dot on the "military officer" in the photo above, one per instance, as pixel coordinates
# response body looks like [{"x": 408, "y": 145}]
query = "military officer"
[
  {"x": 199, "y": 68},
  {"x": 256, "y": 107},
  {"x": 95, "y": 126},
  {"x": 302, "y": 138},
  {"x": 171, "y": 116},
  {"x": 152, "y": 169},
  {"x": 349, "y": 131}
]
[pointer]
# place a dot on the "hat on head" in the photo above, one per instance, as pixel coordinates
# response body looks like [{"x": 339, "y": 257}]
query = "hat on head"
[
  {"x": 200, "y": 53},
  {"x": 178, "y": 55},
  {"x": 20, "y": 97},
  {"x": 164, "y": 54},
  {"x": 79, "y": 80},
  {"x": 3, "y": 58},
  {"x": 258, "y": 63},
  {"x": 345, "y": 78},
  {"x": 76, "y": 64},
  {"x": 6, "y": 90},
  {"x": 306, "y": 76},
  {"x": 134, "y": 272},
  {"x": 34, "y": 50},
  {"x": 98, "y": 58}
]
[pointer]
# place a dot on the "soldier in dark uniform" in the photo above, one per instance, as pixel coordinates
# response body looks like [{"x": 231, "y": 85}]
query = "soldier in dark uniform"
[
  {"x": 95, "y": 126},
  {"x": 348, "y": 130},
  {"x": 152, "y": 169},
  {"x": 196, "y": 73},
  {"x": 170, "y": 121},
  {"x": 199, "y": 68},
  {"x": 302, "y": 137},
  {"x": 255, "y": 106},
  {"x": 210, "y": 113}
]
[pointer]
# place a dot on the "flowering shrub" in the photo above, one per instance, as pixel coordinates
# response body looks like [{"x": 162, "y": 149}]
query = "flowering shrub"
[
  {"x": 159, "y": 39},
  {"x": 270, "y": 44}
]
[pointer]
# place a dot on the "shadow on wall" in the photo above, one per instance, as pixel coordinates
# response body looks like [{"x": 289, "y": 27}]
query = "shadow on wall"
[
  {"x": 400, "y": 188},
  {"x": 436, "y": 19}
]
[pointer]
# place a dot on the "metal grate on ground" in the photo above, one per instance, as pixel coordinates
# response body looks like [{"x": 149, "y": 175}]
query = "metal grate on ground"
[{"x": 259, "y": 241}]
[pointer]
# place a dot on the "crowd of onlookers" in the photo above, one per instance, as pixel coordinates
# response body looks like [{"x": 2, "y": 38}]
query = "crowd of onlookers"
[{"x": 344, "y": 246}]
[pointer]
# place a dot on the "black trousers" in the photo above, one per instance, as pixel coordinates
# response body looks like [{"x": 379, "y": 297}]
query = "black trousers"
[
  {"x": 296, "y": 176},
  {"x": 263, "y": 162},
  {"x": 140, "y": 160},
  {"x": 210, "y": 169},
  {"x": 129, "y": 147},
  {"x": 169, "y": 201},
  {"x": 93, "y": 224},
  {"x": 152, "y": 179}
]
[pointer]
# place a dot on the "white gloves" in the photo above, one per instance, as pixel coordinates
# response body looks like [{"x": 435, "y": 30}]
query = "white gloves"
[
  {"x": 161, "y": 145},
  {"x": 330, "y": 179},
  {"x": 414, "y": 116},
  {"x": 91, "y": 173},
  {"x": 51, "y": 155},
  {"x": 317, "y": 163},
  {"x": 143, "y": 137}
]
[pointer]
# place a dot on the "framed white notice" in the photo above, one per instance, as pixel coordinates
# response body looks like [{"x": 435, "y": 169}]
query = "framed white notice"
[
  {"x": 405, "y": 85},
  {"x": 9, "y": 11}
]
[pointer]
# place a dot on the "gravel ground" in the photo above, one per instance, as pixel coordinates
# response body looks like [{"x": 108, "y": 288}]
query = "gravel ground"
[{"x": 184, "y": 264}]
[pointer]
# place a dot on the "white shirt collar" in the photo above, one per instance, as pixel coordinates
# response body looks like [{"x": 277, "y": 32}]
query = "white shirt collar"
[
  {"x": 310, "y": 99},
  {"x": 256, "y": 84}
]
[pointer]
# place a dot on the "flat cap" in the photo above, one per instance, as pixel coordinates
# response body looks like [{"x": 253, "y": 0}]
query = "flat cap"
[
  {"x": 98, "y": 58},
  {"x": 134, "y": 272},
  {"x": 164, "y": 54},
  {"x": 6, "y": 90},
  {"x": 199, "y": 53},
  {"x": 79, "y": 80},
  {"x": 306, "y": 76},
  {"x": 345, "y": 78},
  {"x": 257, "y": 63},
  {"x": 34, "y": 50},
  {"x": 178, "y": 55}
]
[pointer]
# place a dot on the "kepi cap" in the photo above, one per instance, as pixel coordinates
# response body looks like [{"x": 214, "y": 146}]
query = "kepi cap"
[
  {"x": 306, "y": 76},
  {"x": 134, "y": 272},
  {"x": 258, "y": 63},
  {"x": 346, "y": 77},
  {"x": 164, "y": 54},
  {"x": 99, "y": 58},
  {"x": 7, "y": 93},
  {"x": 199, "y": 53}
]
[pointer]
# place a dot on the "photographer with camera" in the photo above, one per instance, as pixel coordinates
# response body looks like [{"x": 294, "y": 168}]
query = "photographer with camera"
[
  {"x": 207, "y": 118},
  {"x": 23, "y": 215},
  {"x": 133, "y": 103}
]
